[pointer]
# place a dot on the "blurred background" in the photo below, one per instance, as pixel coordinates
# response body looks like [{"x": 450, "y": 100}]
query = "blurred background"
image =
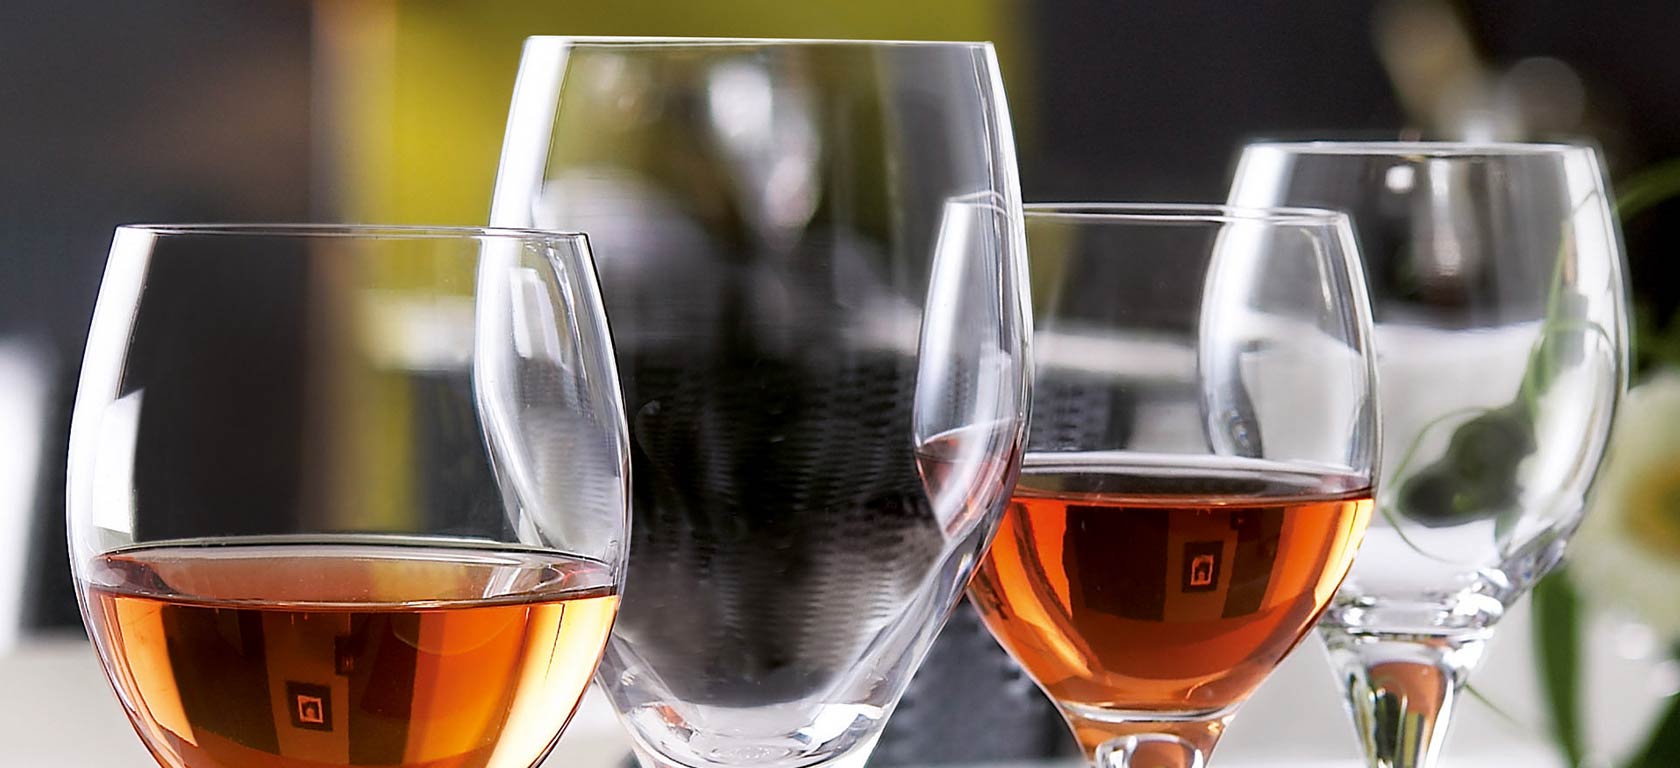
[{"x": 392, "y": 111}]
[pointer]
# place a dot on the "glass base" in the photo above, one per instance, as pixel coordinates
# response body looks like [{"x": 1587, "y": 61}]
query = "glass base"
[
  {"x": 839, "y": 736},
  {"x": 1143, "y": 739},
  {"x": 1400, "y": 689},
  {"x": 856, "y": 757}
]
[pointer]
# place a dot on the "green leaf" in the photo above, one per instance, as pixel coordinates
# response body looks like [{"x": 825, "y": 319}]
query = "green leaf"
[
  {"x": 1557, "y": 644},
  {"x": 1647, "y": 188},
  {"x": 1663, "y": 748}
]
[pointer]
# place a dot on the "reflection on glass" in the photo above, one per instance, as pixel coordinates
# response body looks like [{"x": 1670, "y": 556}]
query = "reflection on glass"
[
  {"x": 810, "y": 252},
  {"x": 1501, "y": 336},
  {"x": 348, "y": 495},
  {"x": 1199, "y": 471},
  {"x": 24, "y": 393}
]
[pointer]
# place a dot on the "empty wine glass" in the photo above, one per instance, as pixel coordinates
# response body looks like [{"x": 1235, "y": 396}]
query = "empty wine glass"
[
  {"x": 1501, "y": 336},
  {"x": 348, "y": 495},
  {"x": 811, "y": 255},
  {"x": 1199, "y": 468}
]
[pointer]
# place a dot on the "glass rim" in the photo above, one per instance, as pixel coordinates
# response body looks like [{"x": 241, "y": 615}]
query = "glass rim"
[
  {"x": 1421, "y": 148},
  {"x": 659, "y": 41},
  {"x": 369, "y": 231},
  {"x": 1184, "y": 213}
]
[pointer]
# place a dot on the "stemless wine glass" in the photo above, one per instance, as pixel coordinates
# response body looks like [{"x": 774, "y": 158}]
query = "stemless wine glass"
[
  {"x": 348, "y": 495},
  {"x": 1501, "y": 336},
  {"x": 811, "y": 252},
  {"x": 1199, "y": 468}
]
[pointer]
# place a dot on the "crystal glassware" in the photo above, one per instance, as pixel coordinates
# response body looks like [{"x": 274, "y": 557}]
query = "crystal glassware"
[
  {"x": 1199, "y": 468},
  {"x": 811, "y": 252},
  {"x": 1501, "y": 337},
  {"x": 348, "y": 495}
]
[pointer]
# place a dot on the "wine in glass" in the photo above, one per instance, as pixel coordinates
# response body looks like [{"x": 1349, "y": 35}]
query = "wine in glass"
[
  {"x": 811, "y": 254},
  {"x": 1501, "y": 338},
  {"x": 1199, "y": 468},
  {"x": 348, "y": 495}
]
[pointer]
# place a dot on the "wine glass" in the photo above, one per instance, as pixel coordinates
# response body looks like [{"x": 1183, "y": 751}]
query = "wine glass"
[
  {"x": 811, "y": 253},
  {"x": 1199, "y": 467},
  {"x": 1501, "y": 336},
  {"x": 348, "y": 495}
]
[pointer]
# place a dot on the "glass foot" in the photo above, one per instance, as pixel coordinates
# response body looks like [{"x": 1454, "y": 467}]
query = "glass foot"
[
  {"x": 1125, "y": 739},
  {"x": 1400, "y": 689}
]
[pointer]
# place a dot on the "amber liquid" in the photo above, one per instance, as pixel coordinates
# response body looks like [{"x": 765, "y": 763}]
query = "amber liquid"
[
  {"x": 287, "y": 656},
  {"x": 1121, "y": 583}
]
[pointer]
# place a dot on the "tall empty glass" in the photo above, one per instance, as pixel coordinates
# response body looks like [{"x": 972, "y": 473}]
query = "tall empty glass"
[
  {"x": 1199, "y": 470},
  {"x": 810, "y": 253},
  {"x": 1501, "y": 339}
]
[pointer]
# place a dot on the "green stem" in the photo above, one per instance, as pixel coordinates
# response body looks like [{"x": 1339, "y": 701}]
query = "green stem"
[
  {"x": 1647, "y": 188},
  {"x": 1663, "y": 748},
  {"x": 1557, "y": 624},
  {"x": 1476, "y": 693},
  {"x": 1557, "y": 645}
]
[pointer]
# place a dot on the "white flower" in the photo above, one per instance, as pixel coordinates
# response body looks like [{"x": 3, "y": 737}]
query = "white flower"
[{"x": 1627, "y": 552}]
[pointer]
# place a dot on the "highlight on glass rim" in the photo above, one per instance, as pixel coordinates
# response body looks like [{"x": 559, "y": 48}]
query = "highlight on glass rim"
[{"x": 422, "y": 384}]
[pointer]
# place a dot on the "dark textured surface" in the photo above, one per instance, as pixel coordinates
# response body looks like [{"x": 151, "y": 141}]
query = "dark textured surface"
[
  {"x": 780, "y": 520},
  {"x": 971, "y": 703}
]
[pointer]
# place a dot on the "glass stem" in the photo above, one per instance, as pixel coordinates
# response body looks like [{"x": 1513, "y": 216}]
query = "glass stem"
[
  {"x": 1146, "y": 739},
  {"x": 1401, "y": 689}
]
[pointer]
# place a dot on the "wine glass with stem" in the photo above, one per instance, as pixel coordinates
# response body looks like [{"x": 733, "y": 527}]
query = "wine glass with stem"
[
  {"x": 348, "y": 495},
  {"x": 811, "y": 252},
  {"x": 1199, "y": 468},
  {"x": 1501, "y": 336}
]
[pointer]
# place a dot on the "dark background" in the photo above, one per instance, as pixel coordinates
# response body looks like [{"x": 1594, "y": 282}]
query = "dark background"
[{"x": 196, "y": 110}]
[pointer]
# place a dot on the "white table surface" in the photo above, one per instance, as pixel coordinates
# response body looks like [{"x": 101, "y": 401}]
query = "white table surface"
[{"x": 57, "y": 710}]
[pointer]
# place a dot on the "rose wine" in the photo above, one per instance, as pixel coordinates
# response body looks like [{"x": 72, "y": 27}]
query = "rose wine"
[
  {"x": 291, "y": 655},
  {"x": 1160, "y": 583}
]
